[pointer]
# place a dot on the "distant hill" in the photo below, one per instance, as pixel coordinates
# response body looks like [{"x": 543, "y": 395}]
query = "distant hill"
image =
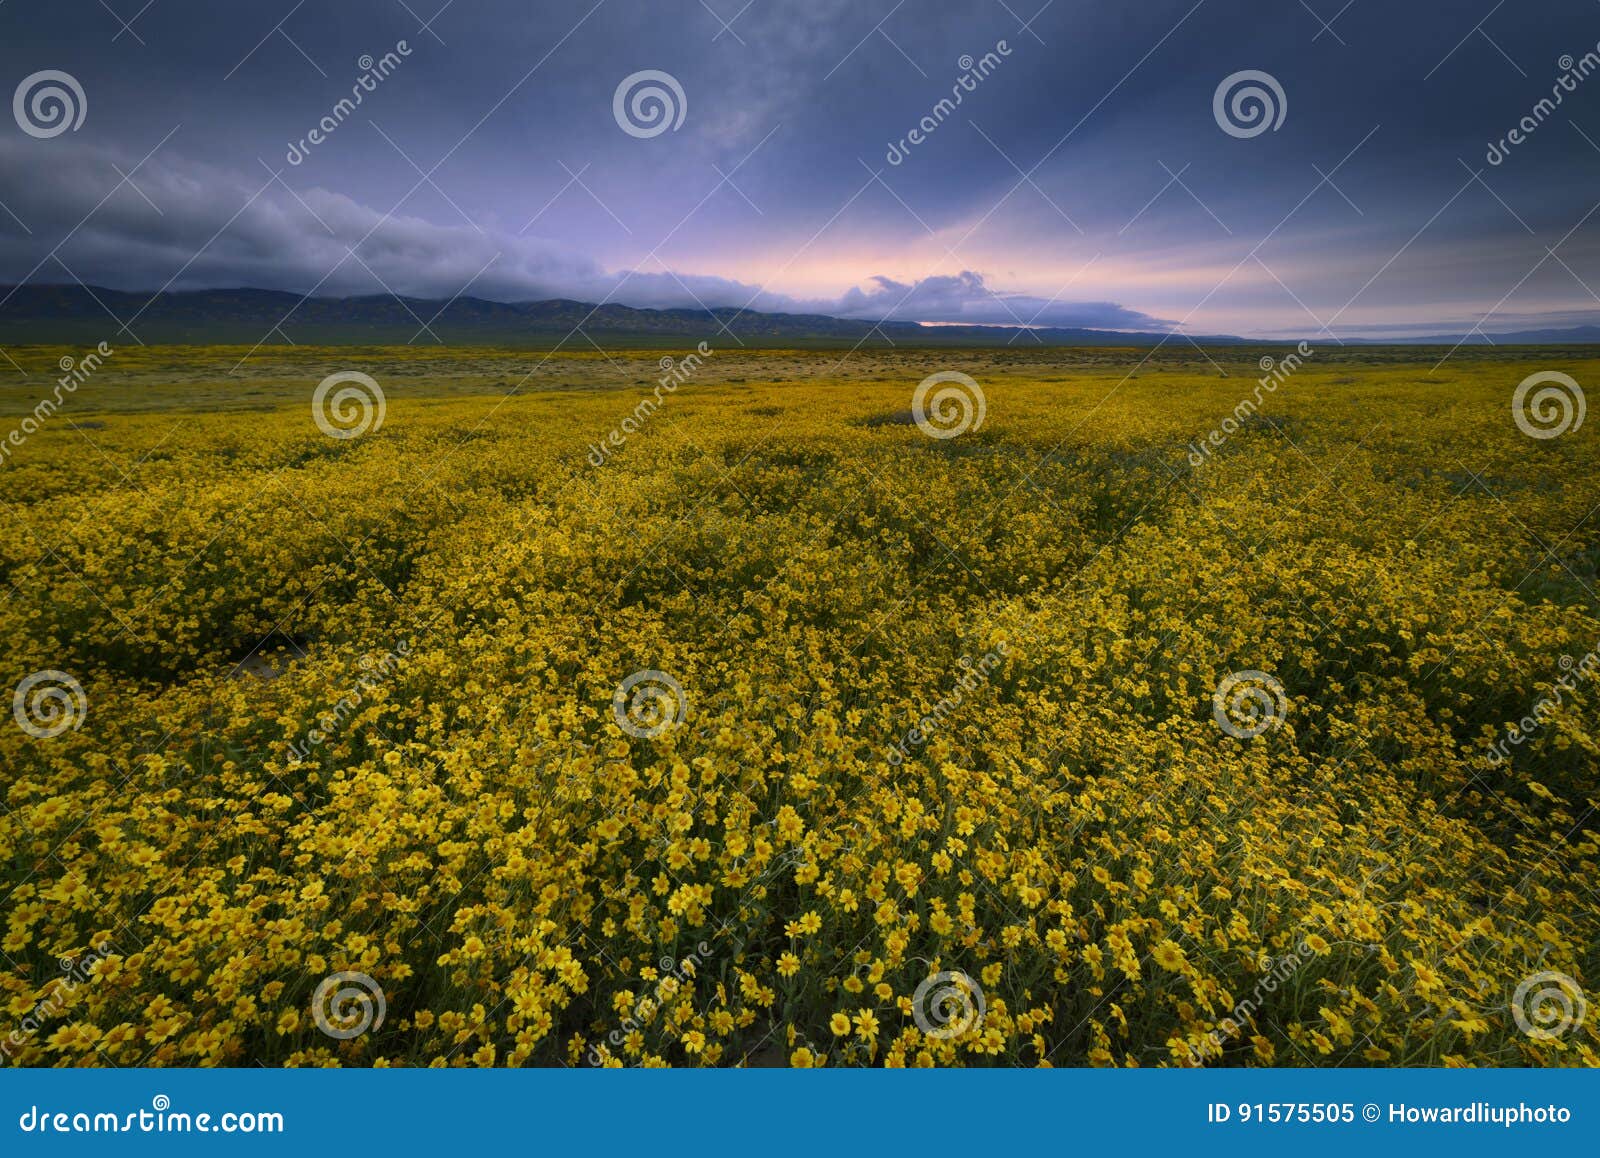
[
  {"x": 1573, "y": 336},
  {"x": 81, "y": 315}
]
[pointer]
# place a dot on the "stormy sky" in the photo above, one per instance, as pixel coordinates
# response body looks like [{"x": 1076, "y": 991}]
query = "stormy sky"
[{"x": 1088, "y": 176}]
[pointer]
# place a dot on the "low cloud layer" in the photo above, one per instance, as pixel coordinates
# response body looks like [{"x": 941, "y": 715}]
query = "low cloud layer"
[
  {"x": 179, "y": 224},
  {"x": 966, "y": 298}
]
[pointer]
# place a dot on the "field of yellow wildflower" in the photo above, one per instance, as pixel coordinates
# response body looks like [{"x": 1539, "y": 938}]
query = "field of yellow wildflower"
[{"x": 513, "y": 722}]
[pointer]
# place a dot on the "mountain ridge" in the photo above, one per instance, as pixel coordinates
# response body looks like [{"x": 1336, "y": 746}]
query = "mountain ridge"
[
  {"x": 56, "y": 313},
  {"x": 205, "y": 315}
]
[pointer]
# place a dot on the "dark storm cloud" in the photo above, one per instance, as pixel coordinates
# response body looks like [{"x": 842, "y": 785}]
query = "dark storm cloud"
[
  {"x": 1069, "y": 172},
  {"x": 178, "y": 228}
]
